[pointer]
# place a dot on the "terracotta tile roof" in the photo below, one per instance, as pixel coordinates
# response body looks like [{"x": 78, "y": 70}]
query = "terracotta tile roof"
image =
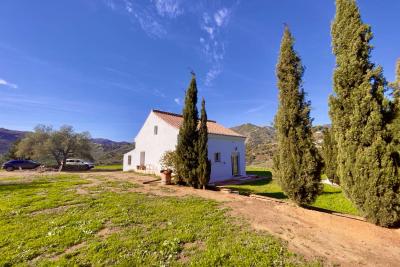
[{"x": 213, "y": 127}]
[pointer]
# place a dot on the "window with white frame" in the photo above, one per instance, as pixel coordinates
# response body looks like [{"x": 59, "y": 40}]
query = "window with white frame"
[
  {"x": 129, "y": 159},
  {"x": 155, "y": 130}
]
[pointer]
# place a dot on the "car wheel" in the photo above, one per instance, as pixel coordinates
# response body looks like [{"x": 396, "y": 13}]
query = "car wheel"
[{"x": 9, "y": 169}]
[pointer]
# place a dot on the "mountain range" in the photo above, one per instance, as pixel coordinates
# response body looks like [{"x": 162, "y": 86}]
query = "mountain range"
[
  {"x": 260, "y": 144},
  {"x": 105, "y": 151}
]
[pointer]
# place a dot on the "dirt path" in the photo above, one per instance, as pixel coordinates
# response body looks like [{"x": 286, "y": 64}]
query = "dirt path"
[{"x": 336, "y": 239}]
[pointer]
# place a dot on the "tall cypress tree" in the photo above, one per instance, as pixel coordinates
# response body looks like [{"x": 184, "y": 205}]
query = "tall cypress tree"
[
  {"x": 187, "y": 138},
  {"x": 297, "y": 165},
  {"x": 367, "y": 167},
  {"x": 204, "y": 168},
  {"x": 329, "y": 155},
  {"x": 395, "y": 125},
  {"x": 396, "y": 84}
]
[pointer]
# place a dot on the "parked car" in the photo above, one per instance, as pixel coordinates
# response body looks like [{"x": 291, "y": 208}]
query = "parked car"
[
  {"x": 20, "y": 164},
  {"x": 79, "y": 164}
]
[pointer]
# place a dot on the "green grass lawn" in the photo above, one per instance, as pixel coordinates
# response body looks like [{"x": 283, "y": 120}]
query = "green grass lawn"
[
  {"x": 43, "y": 217},
  {"x": 115, "y": 167},
  {"x": 331, "y": 199}
]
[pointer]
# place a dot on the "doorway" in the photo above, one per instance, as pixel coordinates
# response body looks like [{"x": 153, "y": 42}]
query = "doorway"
[
  {"x": 142, "y": 158},
  {"x": 235, "y": 164}
]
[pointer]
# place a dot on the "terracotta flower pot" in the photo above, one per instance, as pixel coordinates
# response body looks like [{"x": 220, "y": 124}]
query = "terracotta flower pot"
[{"x": 166, "y": 177}]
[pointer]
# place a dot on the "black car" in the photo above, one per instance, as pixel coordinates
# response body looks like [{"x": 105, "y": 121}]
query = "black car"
[{"x": 17, "y": 164}]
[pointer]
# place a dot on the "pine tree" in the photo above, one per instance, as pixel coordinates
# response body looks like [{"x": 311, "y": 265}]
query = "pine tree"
[
  {"x": 204, "y": 168},
  {"x": 367, "y": 167},
  {"x": 329, "y": 155},
  {"x": 188, "y": 136},
  {"x": 297, "y": 164}
]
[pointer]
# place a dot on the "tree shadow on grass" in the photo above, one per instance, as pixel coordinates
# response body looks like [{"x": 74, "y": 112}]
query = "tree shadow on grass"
[
  {"x": 12, "y": 186},
  {"x": 263, "y": 182},
  {"x": 330, "y": 193},
  {"x": 261, "y": 173},
  {"x": 277, "y": 195},
  {"x": 337, "y": 213},
  {"x": 106, "y": 170}
]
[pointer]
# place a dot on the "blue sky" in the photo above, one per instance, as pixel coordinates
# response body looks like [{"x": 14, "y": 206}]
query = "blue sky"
[{"x": 102, "y": 65}]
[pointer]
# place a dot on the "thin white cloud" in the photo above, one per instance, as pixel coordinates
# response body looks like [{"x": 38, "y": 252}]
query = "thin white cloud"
[
  {"x": 154, "y": 18},
  {"x": 168, "y": 8},
  {"x": 212, "y": 43},
  {"x": 110, "y": 4},
  {"x": 43, "y": 103},
  {"x": 145, "y": 16},
  {"x": 256, "y": 109},
  {"x": 212, "y": 74},
  {"x": 177, "y": 101},
  {"x": 8, "y": 84},
  {"x": 210, "y": 30},
  {"x": 221, "y": 16},
  {"x": 150, "y": 16},
  {"x": 158, "y": 93},
  {"x": 128, "y": 6},
  {"x": 149, "y": 24}
]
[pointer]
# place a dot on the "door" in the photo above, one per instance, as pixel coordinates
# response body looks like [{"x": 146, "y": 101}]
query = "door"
[
  {"x": 142, "y": 158},
  {"x": 235, "y": 164}
]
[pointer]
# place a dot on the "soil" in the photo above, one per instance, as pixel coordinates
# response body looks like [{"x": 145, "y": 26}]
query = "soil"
[{"x": 335, "y": 239}]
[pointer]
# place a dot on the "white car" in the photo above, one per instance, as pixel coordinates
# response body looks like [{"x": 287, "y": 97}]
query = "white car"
[{"x": 79, "y": 162}]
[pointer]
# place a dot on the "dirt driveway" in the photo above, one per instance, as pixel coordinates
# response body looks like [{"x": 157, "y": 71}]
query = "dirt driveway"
[{"x": 336, "y": 239}]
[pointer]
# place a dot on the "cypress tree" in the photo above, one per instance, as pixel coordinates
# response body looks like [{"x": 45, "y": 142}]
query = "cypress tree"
[
  {"x": 329, "y": 155},
  {"x": 187, "y": 138},
  {"x": 297, "y": 164},
  {"x": 395, "y": 126},
  {"x": 396, "y": 84},
  {"x": 204, "y": 168},
  {"x": 367, "y": 167}
]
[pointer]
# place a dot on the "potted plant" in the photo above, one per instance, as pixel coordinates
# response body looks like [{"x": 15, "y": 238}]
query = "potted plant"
[
  {"x": 166, "y": 176},
  {"x": 168, "y": 167}
]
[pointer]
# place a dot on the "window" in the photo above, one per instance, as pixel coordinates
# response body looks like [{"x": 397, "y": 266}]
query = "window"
[
  {"x": 129, "y": 160},
  {"x": 217, "y": 157},
  {"x": 155, "y": 130}
]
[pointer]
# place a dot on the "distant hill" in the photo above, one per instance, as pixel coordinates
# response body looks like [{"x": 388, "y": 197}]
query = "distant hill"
[
  {"x": 7, "y": 137},
  {"x": 261, "y": 143},
  {"x": 110, "y": 152},
  {"x": 105, "y": 151}
]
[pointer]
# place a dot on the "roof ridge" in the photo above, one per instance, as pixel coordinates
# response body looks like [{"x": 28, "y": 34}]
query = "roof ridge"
[
  {"x": 174, "y": 114},
  {"x": 176, "y": 120}
]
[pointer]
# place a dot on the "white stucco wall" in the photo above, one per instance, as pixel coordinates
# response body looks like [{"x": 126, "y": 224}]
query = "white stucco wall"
[
  {"x": 225, "y": 145},
  {"x": 153, "y": 145}
]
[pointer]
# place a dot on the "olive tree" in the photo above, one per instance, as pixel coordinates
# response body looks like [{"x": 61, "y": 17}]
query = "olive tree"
[{"x": 48, "y": 145}]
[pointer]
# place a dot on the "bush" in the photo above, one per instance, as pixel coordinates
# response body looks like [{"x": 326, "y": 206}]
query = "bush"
[{"x": 169, "y": 161}]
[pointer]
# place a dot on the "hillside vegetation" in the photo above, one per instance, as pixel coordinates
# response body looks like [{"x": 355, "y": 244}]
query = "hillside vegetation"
[
  {"x": 7, "y": 137},
  {"x": 105, "y": 151},
  {"x": 261, "y": 143}
]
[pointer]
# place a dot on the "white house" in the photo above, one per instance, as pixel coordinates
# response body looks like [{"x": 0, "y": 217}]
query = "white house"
[{"x": 159, "y": 133}]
